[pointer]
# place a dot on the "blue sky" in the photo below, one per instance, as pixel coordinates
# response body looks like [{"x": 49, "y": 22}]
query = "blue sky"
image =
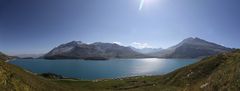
[{"x": 36, "y": 26}]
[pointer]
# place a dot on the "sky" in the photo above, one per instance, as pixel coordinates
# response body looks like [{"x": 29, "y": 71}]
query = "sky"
[{"x": 37, "y": 26}]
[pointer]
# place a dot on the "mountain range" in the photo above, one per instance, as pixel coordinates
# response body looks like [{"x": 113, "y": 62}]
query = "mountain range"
[
  {"x": 188, "y": 48},
  {"x": 98, "y": 50},
  {"x": 29, "y": 55}
]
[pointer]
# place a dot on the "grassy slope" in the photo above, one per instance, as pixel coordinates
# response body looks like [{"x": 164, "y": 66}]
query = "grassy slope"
[
  {"x": 216, "y": 73},
  {"x": 13, "y": 78}
]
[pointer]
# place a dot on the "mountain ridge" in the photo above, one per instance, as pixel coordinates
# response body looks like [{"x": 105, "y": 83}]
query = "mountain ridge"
[
  {"x": 80, "y": 50},
  {"x": 188, "y": 48},
  {"x": 191, "y": 48}
]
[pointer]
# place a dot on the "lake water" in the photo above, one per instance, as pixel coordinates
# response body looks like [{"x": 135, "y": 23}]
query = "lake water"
[{"x": 114, "y": 68}]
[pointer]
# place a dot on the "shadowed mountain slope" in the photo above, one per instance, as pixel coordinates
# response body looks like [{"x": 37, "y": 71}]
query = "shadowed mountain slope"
[{"x": 79, "y": 50}]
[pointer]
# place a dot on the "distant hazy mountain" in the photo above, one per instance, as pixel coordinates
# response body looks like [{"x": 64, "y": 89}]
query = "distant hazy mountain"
[
  {"x": 147, "y": 50},
  {"x": 29, "y": 55},
  {"x": 191, "y": 48},
  {"x": 98, "y": 50}
]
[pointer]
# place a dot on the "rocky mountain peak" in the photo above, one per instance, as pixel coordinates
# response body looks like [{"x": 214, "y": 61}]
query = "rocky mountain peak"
[{"x": 193, "y": 40}]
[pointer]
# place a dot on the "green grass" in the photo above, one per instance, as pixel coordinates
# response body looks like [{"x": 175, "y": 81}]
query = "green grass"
[{"x": 127, "y": 84}]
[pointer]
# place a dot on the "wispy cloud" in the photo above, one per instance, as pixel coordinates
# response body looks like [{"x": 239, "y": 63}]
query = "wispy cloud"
[
  {"x": 135, "y": 44},
  {"x": 140, "y": 45}
]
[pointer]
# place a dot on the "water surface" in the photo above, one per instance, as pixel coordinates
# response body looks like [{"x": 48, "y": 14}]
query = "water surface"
[{"x": 114, "y": 68}]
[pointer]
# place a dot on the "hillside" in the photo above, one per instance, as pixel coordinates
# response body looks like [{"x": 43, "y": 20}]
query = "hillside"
[
  {"x": 13, "y": 78},
  {"x": 191, "y": 48},
  {"x": 98, "y": 50},
  {"x": 216, "y": 73},
  {"x": 3, "y": 57}
]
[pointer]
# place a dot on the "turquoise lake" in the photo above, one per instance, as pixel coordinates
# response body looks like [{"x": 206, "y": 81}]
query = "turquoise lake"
[{"x": 114, "y": 68}]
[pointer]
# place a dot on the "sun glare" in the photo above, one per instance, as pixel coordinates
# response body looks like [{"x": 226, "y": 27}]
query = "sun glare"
[
  {"x": 141, "y": 5},
  {"x": 144, "y": 3}
]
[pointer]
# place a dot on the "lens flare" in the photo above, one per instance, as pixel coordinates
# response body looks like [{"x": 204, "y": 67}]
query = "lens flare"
[
  {"x": 141, "y": 5},
  {"x": 148, "y": 3}
]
